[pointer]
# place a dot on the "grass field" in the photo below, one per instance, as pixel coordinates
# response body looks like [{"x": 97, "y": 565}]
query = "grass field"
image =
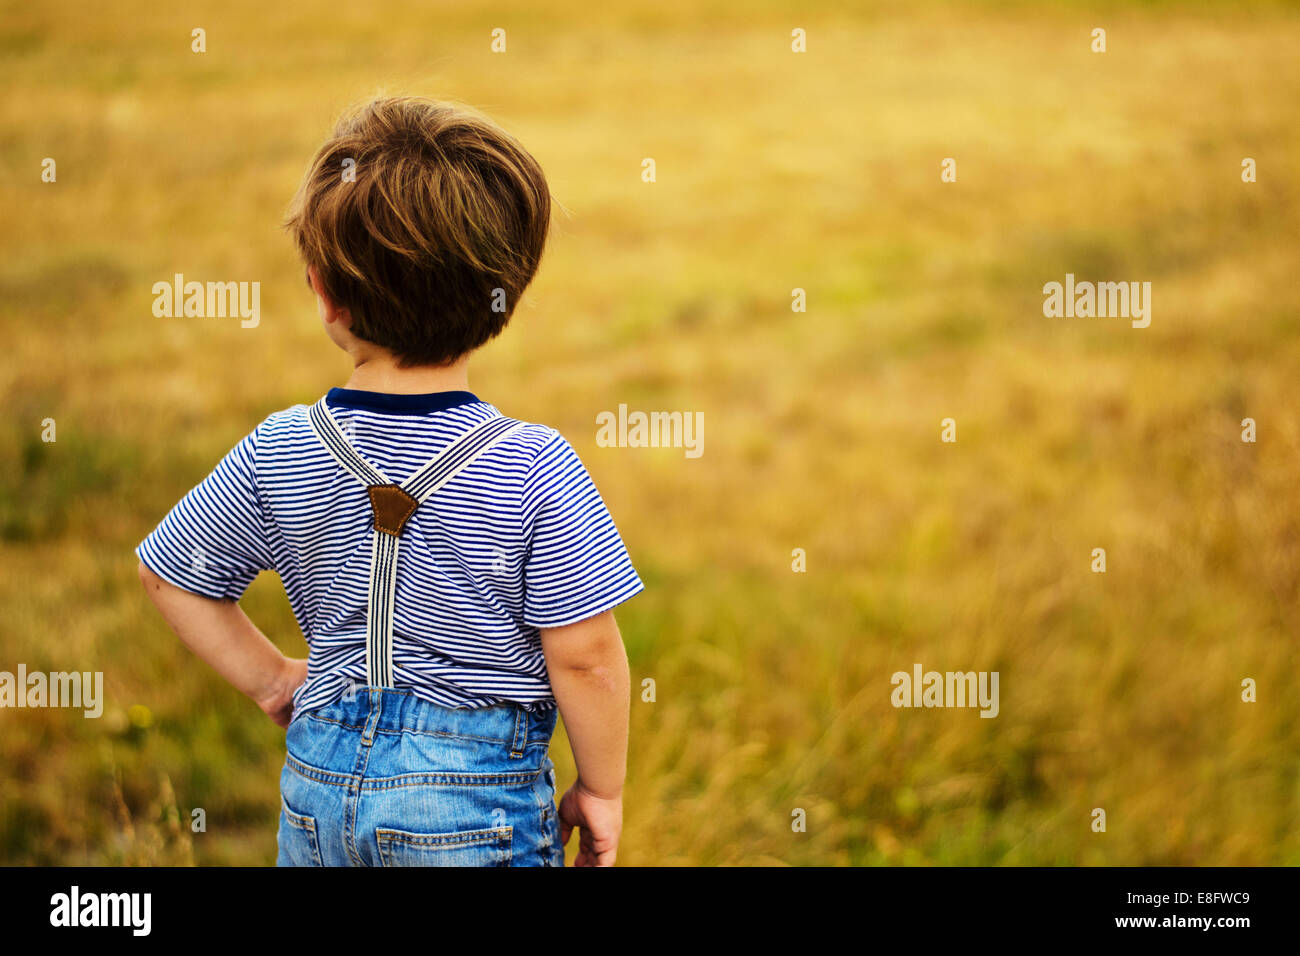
[{"x": 775, "y": 171}]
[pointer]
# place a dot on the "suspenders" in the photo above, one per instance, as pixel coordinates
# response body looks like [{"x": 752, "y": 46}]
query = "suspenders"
[{"x": 392, "y": 506}]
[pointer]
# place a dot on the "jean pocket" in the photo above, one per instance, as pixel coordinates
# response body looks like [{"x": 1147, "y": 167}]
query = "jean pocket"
[
  {"x": 298, "y": 842},
  {"x": 464, "y": 848}
]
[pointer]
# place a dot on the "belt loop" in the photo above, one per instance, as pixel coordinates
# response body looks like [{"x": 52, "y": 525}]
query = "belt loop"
[
  {"x": 376, "y": 700},
  {"x": 521, "y": 734}
]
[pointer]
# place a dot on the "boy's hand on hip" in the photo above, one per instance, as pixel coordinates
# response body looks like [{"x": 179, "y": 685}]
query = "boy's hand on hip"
[
  {"x": 277, "y": 701},
  {"x": 220, "y": 633},
  {"x": 599, "y": 821}
]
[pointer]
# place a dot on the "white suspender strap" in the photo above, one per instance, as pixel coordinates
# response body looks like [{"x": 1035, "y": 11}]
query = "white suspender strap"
[
  {"x": 332, "y": 437},
  {"x": 392, "y": 506}
]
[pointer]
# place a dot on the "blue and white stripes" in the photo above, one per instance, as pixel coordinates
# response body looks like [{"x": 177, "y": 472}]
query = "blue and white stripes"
[
  {"x": 517, "y": 540},
  {"x": 385, "y": 544}
]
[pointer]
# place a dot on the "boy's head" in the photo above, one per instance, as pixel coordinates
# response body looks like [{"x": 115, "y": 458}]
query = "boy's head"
[{"x": 438, "y": 211}]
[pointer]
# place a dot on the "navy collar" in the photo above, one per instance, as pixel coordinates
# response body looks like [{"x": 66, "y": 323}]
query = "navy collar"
[{"x": 398, "y": 404}]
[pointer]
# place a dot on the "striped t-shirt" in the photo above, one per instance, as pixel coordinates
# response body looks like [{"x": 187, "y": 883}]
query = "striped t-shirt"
[{"x": 519, "y": 540}]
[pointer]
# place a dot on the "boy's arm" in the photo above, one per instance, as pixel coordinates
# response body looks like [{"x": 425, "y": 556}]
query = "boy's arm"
[
  {"x": 590, "y": 680},
  {"x": 220, "y": 633}
]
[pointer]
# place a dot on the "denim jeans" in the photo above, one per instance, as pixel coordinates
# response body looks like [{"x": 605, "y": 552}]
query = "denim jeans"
[{"x": 388, "y": 779}]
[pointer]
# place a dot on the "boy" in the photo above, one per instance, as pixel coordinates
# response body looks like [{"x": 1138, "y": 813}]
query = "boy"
[{"x": 452, "y": 570}]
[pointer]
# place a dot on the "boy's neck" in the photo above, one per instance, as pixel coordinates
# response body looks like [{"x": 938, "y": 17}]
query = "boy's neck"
[{"x": 381, "y": 373}]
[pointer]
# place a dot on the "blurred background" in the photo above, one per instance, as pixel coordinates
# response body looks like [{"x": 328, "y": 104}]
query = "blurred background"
[{"x": 774, "y": 171}]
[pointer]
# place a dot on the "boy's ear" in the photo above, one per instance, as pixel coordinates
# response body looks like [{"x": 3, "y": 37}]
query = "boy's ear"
[{"x": 329, "y": 311}]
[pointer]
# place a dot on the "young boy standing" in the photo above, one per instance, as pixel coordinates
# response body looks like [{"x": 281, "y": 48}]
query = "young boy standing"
[{"x": 452, "y": 570}]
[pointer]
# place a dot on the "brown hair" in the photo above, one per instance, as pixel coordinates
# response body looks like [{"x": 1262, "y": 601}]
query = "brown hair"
[{"x": 446, "y": 209}]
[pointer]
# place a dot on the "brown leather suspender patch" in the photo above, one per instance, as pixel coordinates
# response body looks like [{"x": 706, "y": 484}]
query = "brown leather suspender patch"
[{"x": 392, "y": 507}]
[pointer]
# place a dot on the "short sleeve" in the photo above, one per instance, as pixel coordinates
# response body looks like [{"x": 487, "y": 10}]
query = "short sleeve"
[
  {"x": 214, "y": 542},
  {"x": 576, "y": 566}
]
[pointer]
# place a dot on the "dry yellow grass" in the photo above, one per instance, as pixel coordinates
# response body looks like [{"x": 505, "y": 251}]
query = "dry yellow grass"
[{"x": 775, "y": 171}]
